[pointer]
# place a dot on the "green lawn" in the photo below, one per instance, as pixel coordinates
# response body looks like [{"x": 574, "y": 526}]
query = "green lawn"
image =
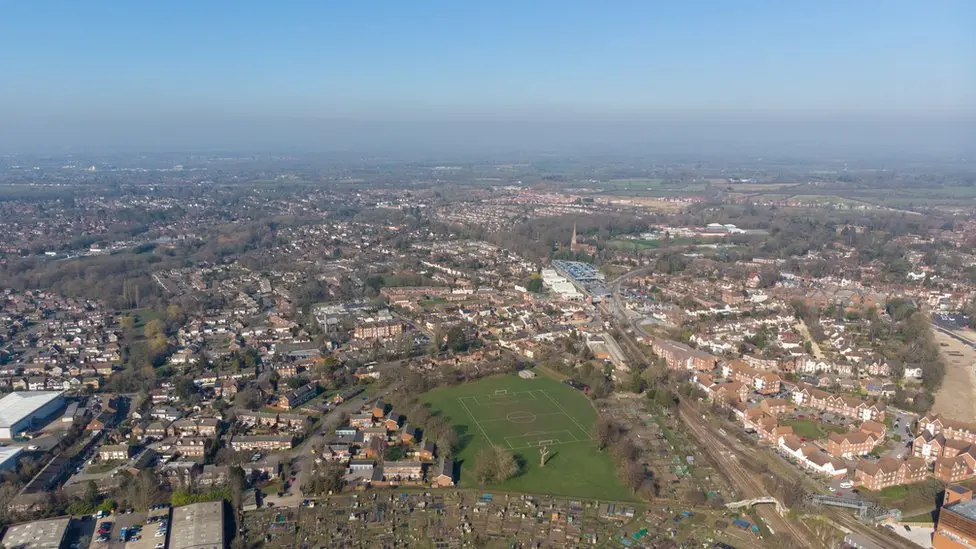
[
  {"x": 907, "y": 496},
  {"x": 272, "y": 488},
  {"x": 809, "y": 429},
  {"x": 103, "y": 467},
  {"x": 928, "y": 516},
  {"x": 532, "y": 411}
]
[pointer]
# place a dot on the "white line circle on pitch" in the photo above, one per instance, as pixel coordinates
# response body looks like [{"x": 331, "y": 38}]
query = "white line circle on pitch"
[{"x": 520, "y": 417}]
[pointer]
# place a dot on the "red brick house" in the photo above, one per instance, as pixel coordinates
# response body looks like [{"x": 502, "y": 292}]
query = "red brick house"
[{"x": 890, "y": 472}]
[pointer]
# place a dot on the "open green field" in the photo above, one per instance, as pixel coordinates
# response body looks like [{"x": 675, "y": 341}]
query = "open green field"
[
  {"x": 630, "y": 244},
  {"x": 635, "y": 183},
  {"x": 809, "y": 429},
  {"x": 520, "y": 415}
]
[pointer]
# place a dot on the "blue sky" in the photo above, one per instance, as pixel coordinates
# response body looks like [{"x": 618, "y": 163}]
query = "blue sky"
[{"x": 601, "y": 60}]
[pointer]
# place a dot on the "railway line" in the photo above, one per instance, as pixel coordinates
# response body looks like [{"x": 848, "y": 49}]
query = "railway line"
[
  {"x": 746, "y": 482},
  {"x": 725, "y": 455},
  {"x": 882, "y": 536}
]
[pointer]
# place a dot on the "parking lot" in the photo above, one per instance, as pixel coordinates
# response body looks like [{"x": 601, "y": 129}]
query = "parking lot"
[
  {"x": 902, "y": 422},
  {"x": 144, "y": 537},
  {"x": 920, "y": 535}
]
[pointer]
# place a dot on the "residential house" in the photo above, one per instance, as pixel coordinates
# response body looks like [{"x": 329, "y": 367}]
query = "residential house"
[
  {"x": 776, "y": 406},
  {"x": 192, "y": 447},
  {"x": 114, "y": 452},
  {"x": 167, "y": 413},
  {"x": 890, "y": 472},
  {"x": 392, "y": 421},
  {"x": 403, "y": 470},
  {"x": 361, "y": 421},
  {"x": 409, "y": 435},
  {"x": 875, "y": 428},
  {"x": 948, "y": 428},
  {"x": 733, "y": 391},
  {"x": 679, "y": 356},
  {"x": 850, "y": 444},
  {"x": 337, "y": 452},
  {"x": 445, "y": 473},
  {"x": 261, "y": 442},
  {"x": 370, "y": 433},
  {"x": 425, "y": 452},
  {"x": 159, "y": 429},
  {"x": 955, "y": 469},
  {"x": 297, "y": 397}
]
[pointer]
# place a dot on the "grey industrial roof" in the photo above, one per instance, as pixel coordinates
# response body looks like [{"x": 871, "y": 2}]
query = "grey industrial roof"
[
  {"x": 198, "y": 526},
  {"x": 9, "y": 452},
  {"x": 16, "y": 406},
  {"x": 38, "y": 534}
]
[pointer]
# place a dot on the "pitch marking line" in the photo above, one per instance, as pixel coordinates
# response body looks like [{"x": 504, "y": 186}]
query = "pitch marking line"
[
  {"x": 571, "y": 418},
  {"x": 508, "y": 398},
  {"x": 536, "y": 415},
  {"x": 535, "y": 439},
  {"x": 475, "y": 420}
]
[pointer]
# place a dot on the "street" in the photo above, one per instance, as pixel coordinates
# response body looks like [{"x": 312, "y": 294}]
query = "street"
[{"x": 303, "y": 462}]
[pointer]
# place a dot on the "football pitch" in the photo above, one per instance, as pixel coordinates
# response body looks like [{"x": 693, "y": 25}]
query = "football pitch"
[
  {"x": 523, "y": 416},
  {"x": 522, "y": 419}
]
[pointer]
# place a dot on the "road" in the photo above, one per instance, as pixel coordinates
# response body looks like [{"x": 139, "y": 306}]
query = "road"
[
  {"x": 303, "y": 456},
  {"x": 904, "y": 422}
]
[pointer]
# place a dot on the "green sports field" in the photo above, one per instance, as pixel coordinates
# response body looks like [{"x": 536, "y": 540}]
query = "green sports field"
[{"x": 521, "y": 415}]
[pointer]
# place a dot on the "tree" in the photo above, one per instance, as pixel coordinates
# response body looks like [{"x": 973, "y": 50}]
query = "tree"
[
  {"x": 324, "y": 481},
  {"x": 127, "y": 323},
  {"x": 605, "y": 432},
  {"x": 294, "y": 382},
  {"x": 249, "y": 398},
  {"x": 637, "y": 383},
  {"x": 174, "y": 316},
  {"x": 456, "y": 339},
  {"x": 495, "y": 465},
  {"x": 395, "y": 453},
  {"x": 184, "y": 388},
  {"x": 153, "y": 328},
  {"x": 534, "y": 285},
  {"x": 448, "y": 442},
  {"x": 237, "y": 484}
]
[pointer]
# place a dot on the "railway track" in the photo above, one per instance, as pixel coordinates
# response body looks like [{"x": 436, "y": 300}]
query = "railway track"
[
  {"x": 725, "y": 458},
  {"x": 882, "y": 536},
  {"x": 746, "y": 482}
]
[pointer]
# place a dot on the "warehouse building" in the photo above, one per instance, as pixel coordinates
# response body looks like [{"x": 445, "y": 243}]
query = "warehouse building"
[
  {"x": 38, "y": 534},
  {"x": 8, "y": 457},
  {"x": 22, "y": 410},
  {"x": 198, "y": 526}
]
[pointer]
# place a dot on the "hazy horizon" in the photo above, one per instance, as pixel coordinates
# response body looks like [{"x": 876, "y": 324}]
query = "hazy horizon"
[{"x": 868, "y": 76}]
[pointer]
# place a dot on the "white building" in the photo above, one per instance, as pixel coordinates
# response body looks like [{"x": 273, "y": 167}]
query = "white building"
[{"x": 19, "y": 410}]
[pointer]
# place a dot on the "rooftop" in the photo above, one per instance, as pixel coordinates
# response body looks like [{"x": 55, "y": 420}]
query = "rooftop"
[
  {"x": 198, "y": 526},
  {"x": 9, "y": 453},
  {"x": 965, "y": 509},
  {"x": 39, "y": 534},
  {"x": 18, "y": 405}
]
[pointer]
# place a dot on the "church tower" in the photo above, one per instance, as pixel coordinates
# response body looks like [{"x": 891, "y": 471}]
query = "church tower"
[{"x": 572, "y": 241}]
